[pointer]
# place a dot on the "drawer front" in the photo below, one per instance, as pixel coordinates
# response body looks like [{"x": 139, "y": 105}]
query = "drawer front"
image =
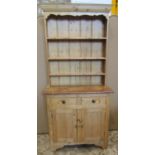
[
  {"x": 76, "y": 102},
  {"x": 93, "y": 101},
  {"x": 61, "y": 102}
]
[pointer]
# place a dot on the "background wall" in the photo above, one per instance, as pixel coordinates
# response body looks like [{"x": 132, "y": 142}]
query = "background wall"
[
  {"x": 41, "y": 78},
  {"x": 112, "y": 70}
]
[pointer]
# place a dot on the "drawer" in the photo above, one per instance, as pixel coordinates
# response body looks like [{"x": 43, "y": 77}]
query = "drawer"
[
  {"x": 61, "y": 102},
  {"x": 93, "y": 101}
]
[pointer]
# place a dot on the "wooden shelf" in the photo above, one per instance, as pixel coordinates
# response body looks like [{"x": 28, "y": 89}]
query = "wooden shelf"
[
  {"x": 79, "y": 58},
  {"x": 76, "y": 39},
  {"x": 77, "y": 90},
  {"x": 78, "y": 74}
]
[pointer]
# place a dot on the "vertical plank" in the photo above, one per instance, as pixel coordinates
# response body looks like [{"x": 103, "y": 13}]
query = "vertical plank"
[
  {"x": 53, "y": 50},
  {"x": 69, "y": 52},
  {"x": 74, "y": 49},
  {"x": 98, "y": 28},
  {"x": 97, "y": 50},
  {"x": 52, "y": 27},
  {"x": 63, "y": 27},
  {"x": 85, "y": 66},
  {"x": 91, "y": 50},
  {"x": 63, "y": 50},
  {"x": 57, "y": 29},
  {"x": 96, "y": 80},
  {"x": 96, "y": 68},
  {"x": 97, "y": 32}
]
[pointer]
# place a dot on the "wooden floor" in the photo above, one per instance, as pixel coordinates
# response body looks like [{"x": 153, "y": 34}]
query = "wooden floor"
[{"x": 43, "y": 147}]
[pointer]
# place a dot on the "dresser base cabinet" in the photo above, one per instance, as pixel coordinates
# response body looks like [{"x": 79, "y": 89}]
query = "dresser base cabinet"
[{"x": 78, "y": 119}]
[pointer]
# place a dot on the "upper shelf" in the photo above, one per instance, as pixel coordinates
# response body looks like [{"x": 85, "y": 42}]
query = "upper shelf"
[{"x": 75, "y": 39}]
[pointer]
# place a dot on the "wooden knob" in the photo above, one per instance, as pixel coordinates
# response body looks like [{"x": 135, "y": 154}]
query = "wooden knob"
[
  {"x": 93, "y": 101},
  {"x": 63, "y": 102},
  {"x": 78, "y": 120}
]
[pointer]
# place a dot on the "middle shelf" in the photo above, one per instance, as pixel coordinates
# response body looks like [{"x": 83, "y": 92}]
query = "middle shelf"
[
  {"x": 73, "y": 58},
  {"x": 78, "y": 74}
]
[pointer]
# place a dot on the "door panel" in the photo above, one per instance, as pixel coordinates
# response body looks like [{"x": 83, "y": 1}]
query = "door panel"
[
  {"x": 93, "y": 125},
  {"x": 64, "y": 125}
]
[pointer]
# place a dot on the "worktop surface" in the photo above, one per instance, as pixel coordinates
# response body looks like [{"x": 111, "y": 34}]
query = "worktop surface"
[{"x": 77, "y": 90}]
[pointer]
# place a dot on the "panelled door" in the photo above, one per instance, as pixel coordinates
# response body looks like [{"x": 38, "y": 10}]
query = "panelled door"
[
  {"x": 64, "y": 125},
  {"x": 91, "y": 125},
  {"x": 92, "y": 119}
]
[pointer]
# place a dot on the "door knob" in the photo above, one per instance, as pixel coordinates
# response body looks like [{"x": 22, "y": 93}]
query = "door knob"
[{"x": 78, "y": 120}]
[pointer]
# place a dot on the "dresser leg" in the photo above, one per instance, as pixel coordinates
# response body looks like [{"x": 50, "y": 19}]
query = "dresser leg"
[{"x": 105, "y": 145}]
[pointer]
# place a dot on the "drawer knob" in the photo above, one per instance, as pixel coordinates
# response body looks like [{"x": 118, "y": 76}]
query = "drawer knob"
[
  {"x": 93, "y": 101},
  {"x": 63, "y": 102}
]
